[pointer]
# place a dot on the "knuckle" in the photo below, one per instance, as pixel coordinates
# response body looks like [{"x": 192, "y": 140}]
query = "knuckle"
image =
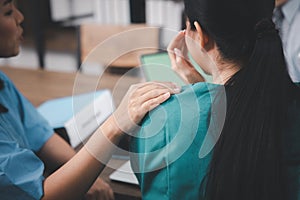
[
  {"x": 179, "y": 61},
  {"x": 145, "y": 106},
  {"x": 135, "y": 110},
  {"x": 162, "y": 98},
  {"x": 134, "y": 86},
  {"x": 174, "y": 67},
  {"x": 155, "y": 93},
  {"x": 131, "y": 102}
]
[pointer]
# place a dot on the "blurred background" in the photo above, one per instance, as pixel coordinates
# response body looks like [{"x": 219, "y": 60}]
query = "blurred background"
[{"x": 52, "y": 27}]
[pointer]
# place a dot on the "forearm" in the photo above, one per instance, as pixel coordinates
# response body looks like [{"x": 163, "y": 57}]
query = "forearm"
[
  {"x": 78, "y": 174},
  {"x": 55, "y": 153},
  {"x": 73, "y": 179}
]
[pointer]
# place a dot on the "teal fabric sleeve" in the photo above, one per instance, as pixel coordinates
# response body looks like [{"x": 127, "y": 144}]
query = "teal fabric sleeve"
[{"x": 167, "y": 161}]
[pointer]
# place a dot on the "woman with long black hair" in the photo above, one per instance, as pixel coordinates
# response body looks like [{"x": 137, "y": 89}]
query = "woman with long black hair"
[{"x": 251, "y": 145}]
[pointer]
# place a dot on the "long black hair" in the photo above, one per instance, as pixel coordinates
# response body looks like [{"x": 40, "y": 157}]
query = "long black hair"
[{"x": 247, "y": 160}]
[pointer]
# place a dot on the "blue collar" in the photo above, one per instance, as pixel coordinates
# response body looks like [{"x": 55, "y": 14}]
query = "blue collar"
[{"x": 290, "y": 9}]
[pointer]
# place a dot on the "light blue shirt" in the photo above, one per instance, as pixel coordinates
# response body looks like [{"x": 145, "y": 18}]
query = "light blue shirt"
[
  {"x": 290, "y": 30},
  {"x": 22, "y": 133}
]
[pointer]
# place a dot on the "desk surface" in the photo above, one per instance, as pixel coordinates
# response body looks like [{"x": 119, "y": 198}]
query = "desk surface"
[{"x": 39, "y": 86}]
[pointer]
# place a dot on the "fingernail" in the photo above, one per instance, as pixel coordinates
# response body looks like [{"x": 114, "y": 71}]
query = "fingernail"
[
  {"x": 177, "y": 52},
  {"x": 177, "y": 90},
  {"x": 166, "y": 95}
]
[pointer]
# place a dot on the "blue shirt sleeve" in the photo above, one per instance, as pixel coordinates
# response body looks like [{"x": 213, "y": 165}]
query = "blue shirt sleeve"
[
  {"x": 35, "y": 128},
  {"x": 23, "y": 131},
  {"x": 20, "y": 172}
]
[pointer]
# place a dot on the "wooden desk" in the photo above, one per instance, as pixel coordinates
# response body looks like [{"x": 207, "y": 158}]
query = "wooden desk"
[
  {"x": 39, "y": 86},
  {"x": 117, "y": 45}
]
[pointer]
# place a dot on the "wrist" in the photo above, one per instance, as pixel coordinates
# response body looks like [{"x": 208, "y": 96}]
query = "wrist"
[
  {"x": 104, "y": 141},
  {"x": 111, "y": 130}
]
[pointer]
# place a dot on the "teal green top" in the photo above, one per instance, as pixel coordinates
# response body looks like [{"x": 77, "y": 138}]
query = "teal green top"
[{"x": 173, "y": 146}]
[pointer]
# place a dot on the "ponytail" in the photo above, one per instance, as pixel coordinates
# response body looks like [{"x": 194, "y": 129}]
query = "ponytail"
[{"x": 247, "y": 160}]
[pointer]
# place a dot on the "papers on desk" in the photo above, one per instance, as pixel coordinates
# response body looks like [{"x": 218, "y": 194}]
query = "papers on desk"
[
  {"x": 124, "y": 174},
  {"x": 79, "y": 115}
]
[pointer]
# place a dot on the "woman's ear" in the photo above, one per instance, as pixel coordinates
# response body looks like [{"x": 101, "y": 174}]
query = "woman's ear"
[{"x": 203, "y": 37}]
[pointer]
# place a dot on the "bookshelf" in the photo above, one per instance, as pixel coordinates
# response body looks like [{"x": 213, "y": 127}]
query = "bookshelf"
[{"x": 166, "y": 14}]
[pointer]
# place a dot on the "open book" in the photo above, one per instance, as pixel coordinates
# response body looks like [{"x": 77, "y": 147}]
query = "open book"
[{"x": 124, "y": 174}]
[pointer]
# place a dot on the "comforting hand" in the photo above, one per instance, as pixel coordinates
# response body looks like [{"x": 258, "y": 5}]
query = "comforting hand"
[
  {"x": 178, "y": 54},
  {"x": 140, "y": 99},
  {"x": 100, "y": 190}
]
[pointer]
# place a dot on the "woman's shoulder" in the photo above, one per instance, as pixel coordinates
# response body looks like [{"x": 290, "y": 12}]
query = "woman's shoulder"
[
  {"x": 193, "y": 100},
  {"x": 194, "y": 94},
  {"x": 198, "y": 89}
]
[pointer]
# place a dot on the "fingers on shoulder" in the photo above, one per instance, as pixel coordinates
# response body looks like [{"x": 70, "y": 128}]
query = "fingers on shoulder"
[{"x": 143, "y": 88}]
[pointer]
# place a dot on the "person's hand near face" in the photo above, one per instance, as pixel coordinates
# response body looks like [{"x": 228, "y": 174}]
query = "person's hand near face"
[{"x": 178, "y": 54}]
